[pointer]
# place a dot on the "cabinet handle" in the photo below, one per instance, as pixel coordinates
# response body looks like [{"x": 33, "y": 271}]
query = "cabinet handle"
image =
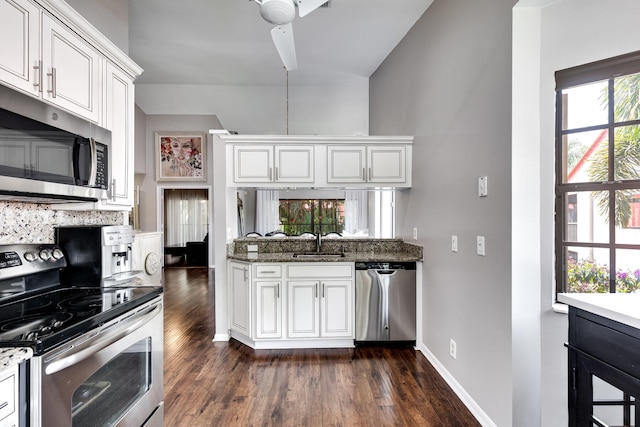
[
  {"x": 278, "y": 290},
  {"x": 316, "y": 286},
  {"x": 268, "y": 272},
  {"x": 52, "y": 74},
  {"x": 244, "y": 274},
  {"x": 277, "y": 174},
  {"x": 364, "y": 174},
  {"x": 113, "y": 189},
  {"x": 323, "y": 286},
  {"x": 4, "y": 405},
  {"x": 369, "y": 177},
  {"x": 38, "y": 75}
]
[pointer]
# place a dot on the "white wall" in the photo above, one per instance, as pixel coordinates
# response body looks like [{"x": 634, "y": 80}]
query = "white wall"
[
  {"x": 149, "y": 210},
  {"x": 448, "y": 83},
  {"x": 110, "y": 17},
  {"x": 550, "y": 35},
  {"x": 341, "y": 109}
]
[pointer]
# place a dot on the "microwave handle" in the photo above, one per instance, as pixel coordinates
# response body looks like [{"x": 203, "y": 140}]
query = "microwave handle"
[{"x": 94, "y": 163}]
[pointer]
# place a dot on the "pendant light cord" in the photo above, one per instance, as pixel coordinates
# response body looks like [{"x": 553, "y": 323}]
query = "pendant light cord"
[{"x": 287, "y": 106}]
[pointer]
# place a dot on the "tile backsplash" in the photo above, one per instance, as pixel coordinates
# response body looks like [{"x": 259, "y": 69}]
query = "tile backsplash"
[{"x": 35, "y": 223}]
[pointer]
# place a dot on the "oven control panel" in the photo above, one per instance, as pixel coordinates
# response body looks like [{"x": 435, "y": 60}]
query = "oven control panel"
[{"x": 29, "y": 258}]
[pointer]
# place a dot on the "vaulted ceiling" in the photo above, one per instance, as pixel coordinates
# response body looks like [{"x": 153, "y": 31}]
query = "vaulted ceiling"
[{"x": 226, "y": 42}]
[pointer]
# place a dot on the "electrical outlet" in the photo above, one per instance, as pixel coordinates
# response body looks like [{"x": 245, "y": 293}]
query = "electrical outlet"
[
  {"x": 415, "y": 233},
  {"x": 454, "y": 243},
  {"x": 452, "y": 348},
  {"x": 252, "y": 248}
]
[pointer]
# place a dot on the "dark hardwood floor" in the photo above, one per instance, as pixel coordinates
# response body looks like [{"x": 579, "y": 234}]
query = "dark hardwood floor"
[{"x": 229, "y": 384}]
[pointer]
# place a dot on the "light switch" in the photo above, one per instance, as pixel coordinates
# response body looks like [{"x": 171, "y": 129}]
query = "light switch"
[
  {"x": 480, "y": 246},
  {"x": 454, "y": 243},
  {"x": 482, "y": 186}
]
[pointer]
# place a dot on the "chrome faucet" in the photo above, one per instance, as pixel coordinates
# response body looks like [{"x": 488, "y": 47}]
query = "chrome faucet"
[{"x": 318, "y": 241}]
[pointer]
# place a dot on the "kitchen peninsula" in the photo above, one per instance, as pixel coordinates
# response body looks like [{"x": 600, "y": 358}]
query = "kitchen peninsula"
[{"x": 292, "y": 292}]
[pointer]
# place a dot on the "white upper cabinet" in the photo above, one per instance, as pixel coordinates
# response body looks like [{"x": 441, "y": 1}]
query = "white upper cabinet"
[
  {"x": 377, "y": 164},
  {"x": 119, "y": 118},
  {"x": 259, "y": 164},
  {"x": 19, "y": 44},
  {"x": 277, "y": 161},
  {"x": 70, "y": 70},
  {"x": 66, "y": 72}
]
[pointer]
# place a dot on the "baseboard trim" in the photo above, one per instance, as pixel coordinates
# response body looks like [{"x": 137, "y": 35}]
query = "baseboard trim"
[
  {"x": 465, "y": 397},
  {"x": 220, "y": 337}
]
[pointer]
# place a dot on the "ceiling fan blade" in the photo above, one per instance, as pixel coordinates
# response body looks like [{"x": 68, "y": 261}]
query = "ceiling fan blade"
[
  {"x": 283, "y": 39},
  {"x": 305, "y": 7}
]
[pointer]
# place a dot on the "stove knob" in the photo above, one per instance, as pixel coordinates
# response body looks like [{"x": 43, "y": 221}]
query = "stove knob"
[
  {"x": 45, "y": 254},
  {"x": 57, "y": 254},
  {"x": 30, "y": 256}
]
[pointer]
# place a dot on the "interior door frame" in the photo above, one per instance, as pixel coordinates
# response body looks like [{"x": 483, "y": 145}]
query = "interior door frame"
[{"x": 160, "y": 189}]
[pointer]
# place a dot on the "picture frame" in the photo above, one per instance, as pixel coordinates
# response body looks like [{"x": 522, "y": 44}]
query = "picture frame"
[{"x": 181, "y": 156}]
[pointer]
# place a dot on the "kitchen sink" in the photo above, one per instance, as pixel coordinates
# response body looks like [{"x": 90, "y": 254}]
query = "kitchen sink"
[{"x": 316, "y": 255}]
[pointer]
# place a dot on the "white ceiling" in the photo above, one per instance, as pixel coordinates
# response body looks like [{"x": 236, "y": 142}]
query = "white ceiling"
[{"x": 226, "y": 42}]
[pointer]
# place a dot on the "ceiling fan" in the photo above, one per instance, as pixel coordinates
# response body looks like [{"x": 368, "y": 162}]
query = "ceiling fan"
[{"x": 281, "y": 13}]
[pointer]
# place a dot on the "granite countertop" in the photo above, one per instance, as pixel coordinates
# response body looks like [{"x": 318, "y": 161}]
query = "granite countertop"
[
  {"x": 622, "y": 308},
  {"x": 11, "y": 356},
  {"x": 348, "y": 257}
]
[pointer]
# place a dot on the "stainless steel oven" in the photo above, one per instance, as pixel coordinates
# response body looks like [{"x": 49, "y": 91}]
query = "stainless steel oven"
[
  {"x": 98, "y": 350},
  {"x": 109, "y": 376}
]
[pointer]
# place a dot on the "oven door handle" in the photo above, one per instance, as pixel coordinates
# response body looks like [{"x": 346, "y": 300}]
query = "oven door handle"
[{"x": 98, "y": 343}]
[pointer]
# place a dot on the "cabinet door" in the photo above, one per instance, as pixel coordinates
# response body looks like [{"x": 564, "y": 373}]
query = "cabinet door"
[
  {"x": 253, "y": 163},
  {"x": 71, "y": 70},
  {"x": 303, "y": 309},
  {"x": 337, "y": 311},
  {"x": 240, "y": 298},
  {"x": 268, "y": 310},
  {"x": 19, "y": 44},
  {"x": 386, "y": 164},
  {"x": 119, "y": 119},
  {"x": 346, "y": 164},
  {"x": 294, "y": 164}
]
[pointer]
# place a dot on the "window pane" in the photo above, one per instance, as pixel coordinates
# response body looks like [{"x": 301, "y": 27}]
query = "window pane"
[
  {"x": 584, "y": 221},
  {"x": 628, "y": 270},
  {"x": 628, "y": 216},
  {"x": 627, "y": 153},
  {"x": 585, "y": 106},
  {"x": 587, "y": 270},
  {"x": 627, "y": 102},
  {"x": 586, "y": 156}
]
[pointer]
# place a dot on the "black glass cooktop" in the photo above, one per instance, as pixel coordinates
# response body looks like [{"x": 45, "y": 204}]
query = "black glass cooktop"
[{"x": 51, "y": 317}]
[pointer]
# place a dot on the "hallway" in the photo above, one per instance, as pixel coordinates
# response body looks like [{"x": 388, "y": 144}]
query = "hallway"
[{"x": 229, "y": 384}]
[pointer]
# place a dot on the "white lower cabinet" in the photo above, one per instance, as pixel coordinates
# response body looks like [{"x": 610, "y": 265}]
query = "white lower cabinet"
[
  {"x": 9, "y": 397},
  {"x": 336, "y": 308},
  {"x": 292, "y": 305},
  {"x": 240, "y": 297},
  {"x": 268, "y": 310},
  {"x": 303, "y": 309}
]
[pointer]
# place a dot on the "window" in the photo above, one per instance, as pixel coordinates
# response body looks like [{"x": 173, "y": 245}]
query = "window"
[
  {"x": 311, "y": 216},
  {"x": 598, "y": 176}
]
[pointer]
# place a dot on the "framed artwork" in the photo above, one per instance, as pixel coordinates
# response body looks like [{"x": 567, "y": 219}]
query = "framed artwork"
[{"x": 181, "y": 156}]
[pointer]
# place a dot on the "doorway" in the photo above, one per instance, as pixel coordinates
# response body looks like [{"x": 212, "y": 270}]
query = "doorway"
[{"x": 186, "y": 224}]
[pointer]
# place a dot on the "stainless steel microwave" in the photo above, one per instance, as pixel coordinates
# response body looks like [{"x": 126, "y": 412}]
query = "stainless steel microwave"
[{"x": 49, "y": 155}]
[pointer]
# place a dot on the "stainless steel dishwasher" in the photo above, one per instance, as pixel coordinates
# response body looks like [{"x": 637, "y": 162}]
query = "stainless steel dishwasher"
[{"x": 386, "y": 301}]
